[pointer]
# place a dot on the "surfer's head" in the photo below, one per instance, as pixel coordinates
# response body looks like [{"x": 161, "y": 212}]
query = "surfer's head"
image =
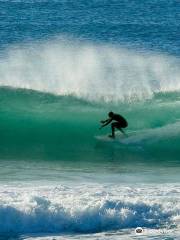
[{"x": 110, "y": 114}]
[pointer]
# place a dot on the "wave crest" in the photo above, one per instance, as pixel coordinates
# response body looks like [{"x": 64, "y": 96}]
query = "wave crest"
[{"x": 93, "y": 72}]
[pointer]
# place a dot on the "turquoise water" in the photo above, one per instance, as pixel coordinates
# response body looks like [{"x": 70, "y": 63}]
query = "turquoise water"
[
  {"x": 36, "y": 125},
  {"x": 63, "y": 66}
]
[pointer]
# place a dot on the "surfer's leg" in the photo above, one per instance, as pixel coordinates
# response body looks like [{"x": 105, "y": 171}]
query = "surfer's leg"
[
  {"x": 120, "y": 129},
  {"x": 120, "y": 126},
  {"x": 113, "y": 126}
]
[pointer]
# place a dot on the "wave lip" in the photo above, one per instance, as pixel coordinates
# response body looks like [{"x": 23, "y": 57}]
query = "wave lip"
[
  {"x": 89, "y": 71},
  {"x": 74, "y": 210}
]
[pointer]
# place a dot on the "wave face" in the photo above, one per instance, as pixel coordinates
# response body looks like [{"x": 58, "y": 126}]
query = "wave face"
[
  {"x": 44, "y": 126},
  {"x": 92, "y": 72},
  {"x": 65, "y": 209}
]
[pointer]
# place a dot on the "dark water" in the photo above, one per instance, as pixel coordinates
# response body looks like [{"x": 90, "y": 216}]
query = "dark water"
[{"x": 146, "y": 24}]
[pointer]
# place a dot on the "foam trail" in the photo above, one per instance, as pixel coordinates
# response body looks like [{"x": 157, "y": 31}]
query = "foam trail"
[
  {"x": 93, "y": 72},
  {"x": 154, "y": 135}
]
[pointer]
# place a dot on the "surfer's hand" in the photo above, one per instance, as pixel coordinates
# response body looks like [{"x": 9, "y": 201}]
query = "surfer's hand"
[
  {"x": 100, "y": 127},
  {"x": 102, "y": 121}
]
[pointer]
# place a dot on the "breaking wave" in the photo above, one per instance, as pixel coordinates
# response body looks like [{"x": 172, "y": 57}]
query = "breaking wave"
[{"x": 89, "y": 71}]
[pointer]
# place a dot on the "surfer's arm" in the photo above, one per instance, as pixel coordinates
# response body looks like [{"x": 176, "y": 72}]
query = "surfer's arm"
[{"x": 106, "y": 122}]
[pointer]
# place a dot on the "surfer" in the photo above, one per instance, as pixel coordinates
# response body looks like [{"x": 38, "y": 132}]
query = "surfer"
[{"x": 120, "y": 122}]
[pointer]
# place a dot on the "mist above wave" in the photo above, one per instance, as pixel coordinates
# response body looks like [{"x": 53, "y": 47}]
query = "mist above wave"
[{"x": 90, "y": 71}]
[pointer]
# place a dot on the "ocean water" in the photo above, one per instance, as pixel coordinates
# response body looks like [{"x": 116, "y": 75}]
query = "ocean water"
[{"x": 63, "y": 66}]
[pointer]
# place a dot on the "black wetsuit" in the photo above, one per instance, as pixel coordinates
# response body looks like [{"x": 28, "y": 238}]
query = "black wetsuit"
[{"x": 120, "y": 121}]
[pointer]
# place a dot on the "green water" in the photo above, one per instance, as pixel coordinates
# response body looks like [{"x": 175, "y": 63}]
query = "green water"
[{"x": 41, "y": 126}]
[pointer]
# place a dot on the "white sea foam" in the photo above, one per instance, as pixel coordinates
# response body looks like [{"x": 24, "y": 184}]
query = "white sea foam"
[
  {"x": 89, "y": 71},
  {"x": 154, "y": 135},
  {"x": 88, "y": 208}
]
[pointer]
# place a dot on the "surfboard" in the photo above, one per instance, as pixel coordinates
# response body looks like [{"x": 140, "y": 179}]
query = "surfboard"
[
  {"x": 132, "y": 138},
  {"x": 106, "y": 138}
]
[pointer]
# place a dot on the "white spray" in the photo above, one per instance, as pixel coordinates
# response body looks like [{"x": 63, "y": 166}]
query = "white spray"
[{"x": 93, "y": 72}]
